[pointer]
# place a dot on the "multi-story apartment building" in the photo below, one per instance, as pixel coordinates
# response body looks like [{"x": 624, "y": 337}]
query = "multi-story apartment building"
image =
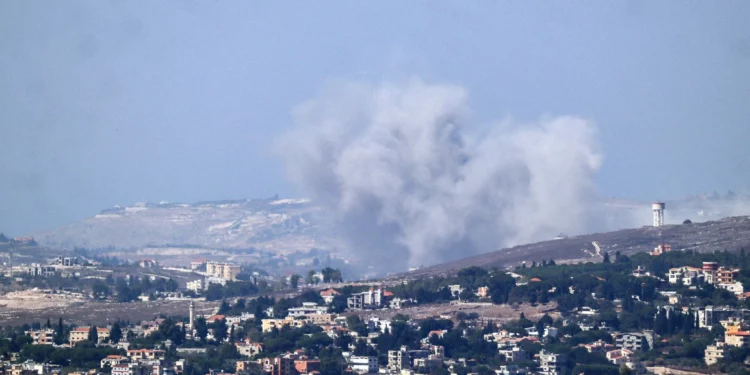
[
  {"x": 551, "y": 363},
  {"x": 195, "y": 285},
  {"x": 710, "y": 315},
  {"x": 399, "y": 359},
  {"x": 371, "y": 299},
  {"x": 726, "y": 275},
  {"x": 223, "y": 270},
  {"x": 738, "y": 339},
  {"x": 44, "y": 336},
  {"x": 267, "y": 325},
  {"x": 306, "y": 309},
  {"x": 634, "y": 341},
  {"x": 714, "y": 353},
  {"x": 145, "y": 354},
  {"x": 685, "y": 275},
  {"x": 363, "y": 364},
  {"x": 82, "y": 333}
]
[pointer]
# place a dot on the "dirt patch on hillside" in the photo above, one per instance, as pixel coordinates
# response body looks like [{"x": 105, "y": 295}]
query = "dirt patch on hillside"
[{"x": 498, "y": 313}]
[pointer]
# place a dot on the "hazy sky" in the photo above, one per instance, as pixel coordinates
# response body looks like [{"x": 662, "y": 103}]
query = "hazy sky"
[{"x": 114, "y": 102}]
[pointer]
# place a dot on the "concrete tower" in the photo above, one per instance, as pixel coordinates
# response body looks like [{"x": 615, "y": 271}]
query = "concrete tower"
[
  {"x": 192, "y": 316},
  {"x": 658, "y": 209}
]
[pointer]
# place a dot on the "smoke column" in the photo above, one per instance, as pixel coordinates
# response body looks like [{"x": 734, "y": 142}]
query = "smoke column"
[{"x": 407, "y": 181}]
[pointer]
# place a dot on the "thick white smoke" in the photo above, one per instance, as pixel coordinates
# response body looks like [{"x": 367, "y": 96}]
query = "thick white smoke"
[{"x": 408, "y": 181}]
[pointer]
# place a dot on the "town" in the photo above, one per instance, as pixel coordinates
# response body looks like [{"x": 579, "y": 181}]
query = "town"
[{"x": 656, "y": 312}]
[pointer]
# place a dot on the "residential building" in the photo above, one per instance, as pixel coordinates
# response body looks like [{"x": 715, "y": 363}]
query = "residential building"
[
  {"x": 42, "y": 270},
  {"x": 371, "y": 299},
  {"x": 726, "y": 275},
  {"x": 307, "y": 308},
  {"x": 306, "y": 366},
  {"x": 82, "y": 333},
  {"x": 634, "y": 341},
  {"x": 44, "y": 336},
  {"x": 737, "y": 338},
  {"x": 112, "y": 361},
  {"x": 550, "y": 332},
  {"x": 710, "y": 315},
  {"x": 685, "y": 275},
  {"x": 241, "y": 366},
  {"x": 714, "y": 353},
  {"x": 267, "y": 325},
  {"x": 328, "y": 295},
  {"x": 363, "y": 364},
  {"x": 619, "y": 356},
  {"x": 282, "y": 365},
  {"x": 483, "y": 292},
  {"x": 145, "y": 354},
  {"x": 132, "y": 369},
  {"x": 223, "y": 270},
  {"x": 195, "y": 285},
  {"x": 510, "y": 370},
  {"x": 378, "y": 325},
  {"x": 551, "y": 363},
  {"x": 399, "y": 359},
  {"x": 248, "y": 349},
  {"x": 735, "y": 287},
  {"x": 514, "y": 354},
  {"x": 319, "y": 319}
]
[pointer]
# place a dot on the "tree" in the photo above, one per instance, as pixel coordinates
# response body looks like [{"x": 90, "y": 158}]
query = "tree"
[
  {"x": 220, "y": 330},
  {"x": 687, "y": 221},
  {"x": 224, "y": 307},
  {"x": 214, "y": 292},
  {"x": 201, "y": 329},
  {"x": 115, "y": 334},
  {"x": 294, "y": 281},
  {"x": 100, "y": 289},
  {"x": 311, "y": 279},
  {"x": 59, "y": 332},
  {"x": 48, "y": 325},
  {"x": 171, "y": 285},
  {"x": 93, "y": 334},
  {"x": 606, "y": 257}
]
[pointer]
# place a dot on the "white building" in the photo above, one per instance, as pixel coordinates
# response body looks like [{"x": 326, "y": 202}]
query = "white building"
[
  {"x": 686, "y": 275},
  {"x": 371, "y": 299},
  {"x": 308, "y": 308},
  {"x": 735, "y": 287},
  {"x": 363, "y": 365},
  {"x": 551, "y": 363},
  {"x": 510, "y": 370},
  {"x": 195, "y": 285}
]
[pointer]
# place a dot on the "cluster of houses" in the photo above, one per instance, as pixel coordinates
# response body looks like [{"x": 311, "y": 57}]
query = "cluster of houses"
[
  {"x": 710, "y": 273},
  {"x": 736, "y": 334}
]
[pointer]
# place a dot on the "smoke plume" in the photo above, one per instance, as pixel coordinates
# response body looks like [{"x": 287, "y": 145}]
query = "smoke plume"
[{"x": 407, "y": 180}]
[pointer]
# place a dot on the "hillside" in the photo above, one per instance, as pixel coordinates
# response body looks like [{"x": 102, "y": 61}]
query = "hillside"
[
  {"x": 283, "y": 226},
  {"x": 727, "y": 234}
]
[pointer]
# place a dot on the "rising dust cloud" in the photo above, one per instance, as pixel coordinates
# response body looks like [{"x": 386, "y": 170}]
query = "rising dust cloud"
[{"x": 407, "y": 178}]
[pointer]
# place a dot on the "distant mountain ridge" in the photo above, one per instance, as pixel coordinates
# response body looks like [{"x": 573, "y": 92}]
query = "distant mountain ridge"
[{"x": 282, "y": 225}]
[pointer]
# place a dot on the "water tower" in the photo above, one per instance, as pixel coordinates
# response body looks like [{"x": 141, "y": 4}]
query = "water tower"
[{"x": 658, "y": 209}]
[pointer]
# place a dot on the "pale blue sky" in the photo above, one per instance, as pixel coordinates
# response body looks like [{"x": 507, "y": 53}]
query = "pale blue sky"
[{"x": 113, "y": 102}]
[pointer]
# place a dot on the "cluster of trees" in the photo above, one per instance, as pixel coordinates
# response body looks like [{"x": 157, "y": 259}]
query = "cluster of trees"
[
  {"x": 216, "y": 292},
  {"x": 127, "y": 290}
]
